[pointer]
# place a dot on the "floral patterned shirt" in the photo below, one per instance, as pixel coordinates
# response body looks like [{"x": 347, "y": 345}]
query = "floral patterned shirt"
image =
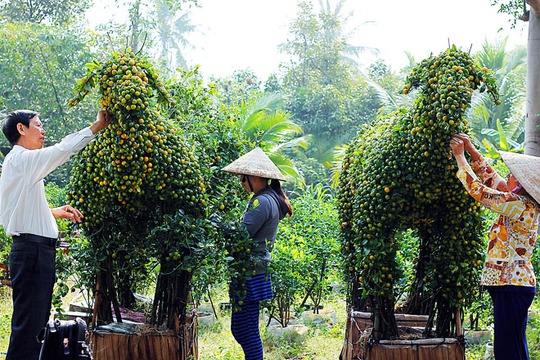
[{"x": 512, "y": 236}]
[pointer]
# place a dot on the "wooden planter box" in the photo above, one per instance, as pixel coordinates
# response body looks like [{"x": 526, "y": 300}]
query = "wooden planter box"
[
  {"x": 146, "y": 345},
  {"x": 422, "y": 349},
  {"x": 356, "y": 346},
  {"x": 363, "y": 319}
]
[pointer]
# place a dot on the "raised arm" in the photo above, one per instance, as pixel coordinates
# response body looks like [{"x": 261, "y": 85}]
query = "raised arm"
[{"x": 103, "y": 119}]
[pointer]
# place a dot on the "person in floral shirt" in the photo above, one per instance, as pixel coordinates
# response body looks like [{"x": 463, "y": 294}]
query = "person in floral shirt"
[{"x": 508, "y": 273}]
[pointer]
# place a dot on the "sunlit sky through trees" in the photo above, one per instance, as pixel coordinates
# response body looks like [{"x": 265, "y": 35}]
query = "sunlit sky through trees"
[{"x": 245, "y": 34}]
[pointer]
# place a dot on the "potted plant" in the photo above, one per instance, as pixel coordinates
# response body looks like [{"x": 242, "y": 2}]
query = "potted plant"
[
  {"x": 397, "y": 175},
  {"x": 148, "y": 199}
]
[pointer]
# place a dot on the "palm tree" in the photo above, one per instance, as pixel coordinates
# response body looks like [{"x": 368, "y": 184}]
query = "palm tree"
[
  {"x": 325, "y": 93},
  {"x": 388, "y": 87},
  {"x": 172, "y": 30},
  {"x": 518, "y": 9},
  {"x": 161, "y": 26},
  {"x": 320, "y": 43},
  {"x": 338, "y": 33},
  {"x": 500, "y": 140},
  {"x": 502, "y": 124},
  {"x": 265, "y": 122}
]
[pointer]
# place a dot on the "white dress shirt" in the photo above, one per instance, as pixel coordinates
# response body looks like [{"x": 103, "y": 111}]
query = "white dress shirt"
[{"x": 23, "y": 206}]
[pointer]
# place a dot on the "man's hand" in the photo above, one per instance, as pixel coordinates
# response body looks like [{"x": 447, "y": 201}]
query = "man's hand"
[
  {"x": 103, "y": 120},
  {"x": 67, "y": 212}
]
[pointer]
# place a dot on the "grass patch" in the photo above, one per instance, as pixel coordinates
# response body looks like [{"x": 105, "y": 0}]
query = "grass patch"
[
  {"x": 5, "y": 319},
  {"x": 321, "y": 341}
]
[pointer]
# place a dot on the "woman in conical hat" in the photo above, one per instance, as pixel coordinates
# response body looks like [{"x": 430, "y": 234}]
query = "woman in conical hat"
[
  {"x": 508, "y": 273},
  {"x": 269, "y": 204}
]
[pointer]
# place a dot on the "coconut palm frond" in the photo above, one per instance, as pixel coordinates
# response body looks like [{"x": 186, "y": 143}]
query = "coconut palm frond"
[
  {"x": 265, "y": 122},
  {"x": 485, "y": 118},
  {"x": 388, "y": 101},
  {"x": 294, "y": 145},
  {"x": 286, "y": 166},
  {"x": 281, "y": 131}
]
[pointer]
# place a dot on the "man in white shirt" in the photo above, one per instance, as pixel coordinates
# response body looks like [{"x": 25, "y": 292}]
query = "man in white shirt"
[{"x": 26, "y": 216}]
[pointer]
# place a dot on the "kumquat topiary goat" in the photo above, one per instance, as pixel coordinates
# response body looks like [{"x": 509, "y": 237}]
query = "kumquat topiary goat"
[{"x": 398, "y": 175}]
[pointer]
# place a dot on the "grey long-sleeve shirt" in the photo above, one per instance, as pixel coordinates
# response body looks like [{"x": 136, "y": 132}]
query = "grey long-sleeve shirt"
[{"x": 261, "y": 219}]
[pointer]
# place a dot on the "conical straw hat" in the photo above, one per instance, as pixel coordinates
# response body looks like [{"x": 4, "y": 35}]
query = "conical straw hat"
[
  {"x": 255, "y": 163},
  {"x": 526, "y": 169}
]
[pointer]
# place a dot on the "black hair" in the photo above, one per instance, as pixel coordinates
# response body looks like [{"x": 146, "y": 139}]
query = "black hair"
[
  {"x": 9, "y": 127},
  {"x": 285, "y": 204}
]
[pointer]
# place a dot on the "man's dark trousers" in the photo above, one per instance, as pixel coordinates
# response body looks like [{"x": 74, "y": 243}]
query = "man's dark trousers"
[{"x": 32, "y": 270}]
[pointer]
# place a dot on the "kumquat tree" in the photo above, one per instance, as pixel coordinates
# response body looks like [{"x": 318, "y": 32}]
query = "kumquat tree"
[{"x": 397, "y": 175}]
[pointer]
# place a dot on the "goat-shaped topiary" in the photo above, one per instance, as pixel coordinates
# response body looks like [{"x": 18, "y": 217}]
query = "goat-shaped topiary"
[{"x": 398, "y": 174}]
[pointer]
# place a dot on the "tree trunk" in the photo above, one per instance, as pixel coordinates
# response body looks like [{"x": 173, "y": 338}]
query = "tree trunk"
[
  {"x": 104, "y": 293},
  {"x": 135, "y": 18},
  {"x": 171, "y": 298},
  {"x": 532, "y": 121},
  {"x": 384, "y": 320},
  {"x": 418, "y": 300}
]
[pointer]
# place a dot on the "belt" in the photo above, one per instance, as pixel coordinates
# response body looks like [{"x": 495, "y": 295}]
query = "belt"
[{"x": 52, "y": 242}]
